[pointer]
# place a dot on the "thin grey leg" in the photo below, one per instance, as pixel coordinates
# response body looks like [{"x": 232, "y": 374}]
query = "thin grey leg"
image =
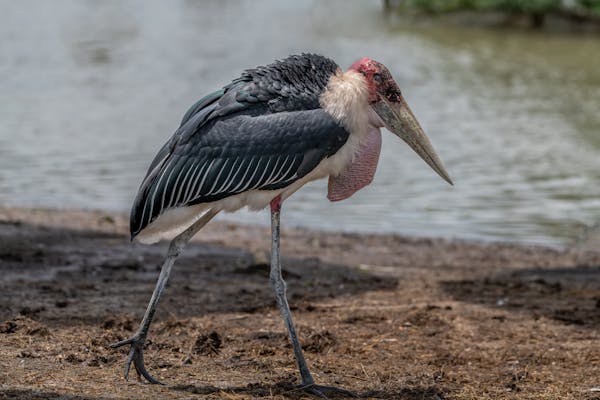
[
  {"x": 136, "y": 355},
  {"x": 279, "y": 286}
]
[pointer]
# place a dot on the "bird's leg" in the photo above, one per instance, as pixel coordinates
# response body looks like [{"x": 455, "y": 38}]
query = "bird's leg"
[
  {"x": 136, "y": 354},
  {"x": 279, "y": 287}
]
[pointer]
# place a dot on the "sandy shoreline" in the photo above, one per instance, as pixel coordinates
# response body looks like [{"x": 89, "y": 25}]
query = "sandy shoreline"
[
  {"x": 386, "y": 316},
  {"x": 257, "y": 237}
]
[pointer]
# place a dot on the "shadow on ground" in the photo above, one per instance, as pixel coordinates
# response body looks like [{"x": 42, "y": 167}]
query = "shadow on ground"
[
  {"x": 568, "y": 295},
  {"x": 19, "y": 394},
  {"x": 255, "y": 390},
  {"x": 294, "y": 392},
  {"x": 51, "y": 273}
]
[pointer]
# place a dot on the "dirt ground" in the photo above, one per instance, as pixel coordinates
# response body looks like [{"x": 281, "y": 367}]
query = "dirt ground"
[{"x": 387, "y": 317}]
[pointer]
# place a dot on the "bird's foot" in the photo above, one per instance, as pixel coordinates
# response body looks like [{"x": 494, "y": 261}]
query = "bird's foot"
[
  {"x": 136, "y": 356},
  {"x": 325, "y": 391}
]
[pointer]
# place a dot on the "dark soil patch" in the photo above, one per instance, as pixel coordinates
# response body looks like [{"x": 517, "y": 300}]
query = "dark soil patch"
[{"x": 388, "y": 317}]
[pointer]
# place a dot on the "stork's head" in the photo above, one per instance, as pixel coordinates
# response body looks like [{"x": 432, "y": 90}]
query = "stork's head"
[{"x": 387, "y": 102}]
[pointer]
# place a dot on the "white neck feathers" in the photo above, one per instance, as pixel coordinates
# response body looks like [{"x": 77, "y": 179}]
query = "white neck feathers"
[{"x": 346, "y": 99}]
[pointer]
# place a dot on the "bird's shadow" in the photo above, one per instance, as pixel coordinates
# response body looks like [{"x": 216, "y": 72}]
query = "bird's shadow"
[
  {"x": 14, "y": 393},
  {"x": 568, "y": 295},
  {"x": 289, "y": 391}
]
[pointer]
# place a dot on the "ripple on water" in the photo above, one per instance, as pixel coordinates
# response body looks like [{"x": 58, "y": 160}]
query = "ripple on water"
[{"x": 88, "y": 96}]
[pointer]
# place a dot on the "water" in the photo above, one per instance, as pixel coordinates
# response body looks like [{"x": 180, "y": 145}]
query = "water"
[{"x": 90, "y": 90}]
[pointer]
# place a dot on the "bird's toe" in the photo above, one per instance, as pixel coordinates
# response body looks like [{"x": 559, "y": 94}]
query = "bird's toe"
[
  {"x": 136, "y": 357},
  {"x": 326, "y": 391}
]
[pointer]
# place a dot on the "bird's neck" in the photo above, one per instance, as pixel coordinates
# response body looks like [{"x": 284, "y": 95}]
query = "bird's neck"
[{"x": 346, "y": 99}]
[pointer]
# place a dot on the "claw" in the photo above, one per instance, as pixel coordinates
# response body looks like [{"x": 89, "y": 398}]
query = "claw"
[
  {"x": 323, "y": 391},
  {"x": 136, "y": 356}
]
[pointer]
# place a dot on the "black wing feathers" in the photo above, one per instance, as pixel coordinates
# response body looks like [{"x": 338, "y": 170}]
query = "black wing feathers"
[{"x": 263, "y": 131}]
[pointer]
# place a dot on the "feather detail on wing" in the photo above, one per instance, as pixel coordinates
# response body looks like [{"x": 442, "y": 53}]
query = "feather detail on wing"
[
  {"x": 235, "y": 155},
  {"x": 263, "y": 131}
]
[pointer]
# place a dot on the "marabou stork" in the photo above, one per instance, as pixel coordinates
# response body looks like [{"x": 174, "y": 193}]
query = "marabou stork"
[{"x": 254, "y": 143}]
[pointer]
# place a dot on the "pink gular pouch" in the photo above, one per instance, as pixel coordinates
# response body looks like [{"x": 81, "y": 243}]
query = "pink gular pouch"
[{"x": 360, "y": 171}]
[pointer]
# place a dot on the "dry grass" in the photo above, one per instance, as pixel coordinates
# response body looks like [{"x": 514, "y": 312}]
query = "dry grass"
[{"x": 387, "y": 317}]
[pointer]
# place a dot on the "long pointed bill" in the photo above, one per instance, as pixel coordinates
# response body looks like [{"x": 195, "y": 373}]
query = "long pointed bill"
[{"x": 400, "y": 121}]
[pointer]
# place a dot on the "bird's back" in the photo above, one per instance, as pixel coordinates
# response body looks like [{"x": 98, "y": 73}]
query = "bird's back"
[{"x": 261, "y": 132}]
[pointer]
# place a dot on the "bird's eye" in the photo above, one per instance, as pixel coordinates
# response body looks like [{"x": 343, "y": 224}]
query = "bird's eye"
[{"x": 377, "y": 78}]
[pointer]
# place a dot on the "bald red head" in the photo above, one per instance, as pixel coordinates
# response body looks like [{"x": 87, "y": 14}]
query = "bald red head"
[{"x": 378, "y": 79}]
